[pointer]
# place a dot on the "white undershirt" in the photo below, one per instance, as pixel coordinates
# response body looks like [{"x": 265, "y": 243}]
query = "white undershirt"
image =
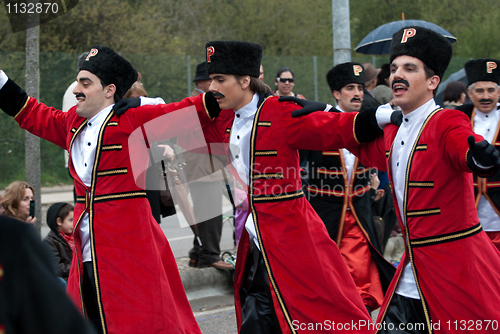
[
  {"x": 403, "y": 144},
  {"x": 486, "y": 125},
  {"x": 83, "y": 157},
  {"x": 349, "y": 158},
  {"x": 240, "y": 150}
]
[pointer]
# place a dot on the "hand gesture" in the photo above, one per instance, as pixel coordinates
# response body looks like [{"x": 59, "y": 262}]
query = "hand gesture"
[
  {"x": 125, "y": 104},
  {"x": 483, "y": 152},
  {"x": 307, "y": 106}
]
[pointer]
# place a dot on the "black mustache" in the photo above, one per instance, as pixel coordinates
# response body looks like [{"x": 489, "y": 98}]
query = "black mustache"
[
  {"x": 355, "y": 99},
  {"x": 80, "y": 95},
  {"x": 486, "y": 100},
  {"x": 219, "y": 95},
  {"x": 402, "y": 81}
]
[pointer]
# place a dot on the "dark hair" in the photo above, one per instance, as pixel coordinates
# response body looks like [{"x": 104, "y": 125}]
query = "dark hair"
[
  {"x": 284, "y": 69},
  {"x": 430, "y": 73},
  {"x": 454, "y": 90},
  {"x": 385, "y": 72},
  {"x": 64, "y": 211},
  {"x": 256, "y": 85}
]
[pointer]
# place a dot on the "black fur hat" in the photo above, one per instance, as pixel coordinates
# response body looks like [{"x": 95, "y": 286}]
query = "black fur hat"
[
  {"x": 111, "y": 68},
  {"x": 234, "y": 57},
  {"x": 344, "y": 74},
  {"x": 482, "y": 69},
  {"x": 431, "y": 48}
]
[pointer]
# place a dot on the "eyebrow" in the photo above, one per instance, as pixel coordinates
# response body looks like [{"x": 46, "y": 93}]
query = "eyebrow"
[{"x": 84, "y": 79}]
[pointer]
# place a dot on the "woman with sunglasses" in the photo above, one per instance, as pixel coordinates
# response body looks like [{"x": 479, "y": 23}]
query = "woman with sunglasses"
[{"x": 284, "y": 82}]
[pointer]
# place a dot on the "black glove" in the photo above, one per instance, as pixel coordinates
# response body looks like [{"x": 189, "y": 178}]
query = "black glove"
[
  {"x": 397, "y": 117},
  {"x": 307, "y": 106},
  {"x": 125, "y": 104},
  {"x": 483, "y": 152},
  {"x": 212, "y": 105}
]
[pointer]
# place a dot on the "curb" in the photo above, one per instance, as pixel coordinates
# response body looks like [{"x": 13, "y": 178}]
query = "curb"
[{"x": 204, "y": 282}]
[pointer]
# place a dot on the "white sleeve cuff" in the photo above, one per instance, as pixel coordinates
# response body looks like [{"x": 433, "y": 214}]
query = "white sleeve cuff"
[
  {"x": 3, "y": 79},
  {"x": 151, "y": 101},
  {"x": 383, "y": 115},
  {"x": 328, "y": 107}
]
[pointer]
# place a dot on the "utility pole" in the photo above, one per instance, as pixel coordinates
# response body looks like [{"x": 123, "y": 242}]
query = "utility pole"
[
  {"x": 32, "y": 168},
  {"x": 341, "y": 32}
]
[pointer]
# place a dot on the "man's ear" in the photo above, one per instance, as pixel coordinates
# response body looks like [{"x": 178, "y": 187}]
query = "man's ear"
[
  {"x": 336, "y": 94},
  {"x": 245, "y": 81},
  {"x": 109, "y": 91},
  {"x": 434, "y": 82}
]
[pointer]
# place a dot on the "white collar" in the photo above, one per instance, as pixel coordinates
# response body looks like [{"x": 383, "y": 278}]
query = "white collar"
[
  {"x": 249, "y": 110},
  {"x": 420, "y": 113}
]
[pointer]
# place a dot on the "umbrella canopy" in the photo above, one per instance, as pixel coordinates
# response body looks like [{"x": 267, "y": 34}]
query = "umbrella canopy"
[
  {"x": 457, "y": 76},
  {"x": 379, "y": 40}
]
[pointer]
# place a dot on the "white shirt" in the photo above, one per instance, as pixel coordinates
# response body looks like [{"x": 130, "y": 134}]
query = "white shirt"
[
  {"x": 83, "y": 157},
  {"x": 239, "y": 145},
  {"x": 486, "y": 125},
  {"x": 349, "y": 158},
  {"x": 403, "y": 144}
]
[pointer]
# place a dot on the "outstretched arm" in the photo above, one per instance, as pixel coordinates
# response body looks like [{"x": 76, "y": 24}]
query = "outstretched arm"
[{"x": 42, "y": 121}]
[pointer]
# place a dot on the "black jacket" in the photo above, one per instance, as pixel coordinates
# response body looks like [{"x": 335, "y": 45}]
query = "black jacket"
[{"x": 32, "y": 299}]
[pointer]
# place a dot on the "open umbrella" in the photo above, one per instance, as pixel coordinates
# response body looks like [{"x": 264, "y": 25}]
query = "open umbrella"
[{"x": 378, "y": 41}]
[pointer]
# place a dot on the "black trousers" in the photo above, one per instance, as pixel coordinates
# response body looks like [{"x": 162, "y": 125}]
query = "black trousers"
[
  {"x": 89, "y": 293},
  {"x": 404, "y": 315},
  {"x": 258, "y": 316}
]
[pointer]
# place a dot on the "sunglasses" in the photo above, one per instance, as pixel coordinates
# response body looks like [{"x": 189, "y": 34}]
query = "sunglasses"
[{"x": 290, "y": 80}]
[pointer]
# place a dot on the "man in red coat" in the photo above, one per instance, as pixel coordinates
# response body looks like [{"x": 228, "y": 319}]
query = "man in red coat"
[
  {"x": 483, "y": 76},
  {"x": 290, "y": 276},
  {"x": 448, "y": 280},
  {"x": 339, "y": 190},
  {"x": 449, "y": 277},
  {"x": 124, "y": 277}
]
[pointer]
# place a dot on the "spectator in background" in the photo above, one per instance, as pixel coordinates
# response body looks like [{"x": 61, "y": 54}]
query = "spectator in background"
[
  {"x": 16, "y": 201},
  {"x": 370, "y": 83},
  {"x": 60, "y": 239},
  {"x": 201, "y": 80},
  {"x": 382, "y": 92},
  {"x": 206, "y": 192},
  {"x": 261, "y": 73},
  {"x": 284, "y": 82},
  {"x": 1, "y": 206},
  {"x": 454, "y": 94},
  {"x": 31, "y": 298},
  {"x": 137, "y": 90}
]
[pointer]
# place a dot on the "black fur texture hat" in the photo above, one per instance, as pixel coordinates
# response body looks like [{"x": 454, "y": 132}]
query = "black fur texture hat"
[
  {"x": 344, "y": 74},
  {"x": 431, "y": 48},
  {"x": 234, "y": 57},
  {"x": 111, "y": 68},
  {"x": 482, "y": 69}
]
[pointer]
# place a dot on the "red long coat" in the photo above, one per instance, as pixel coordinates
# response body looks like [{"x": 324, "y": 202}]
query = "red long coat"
[
  {"x": 456, "y": 265},
  {"x": 138, "y": 284},
  {"x": 308, "y": 278}
]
